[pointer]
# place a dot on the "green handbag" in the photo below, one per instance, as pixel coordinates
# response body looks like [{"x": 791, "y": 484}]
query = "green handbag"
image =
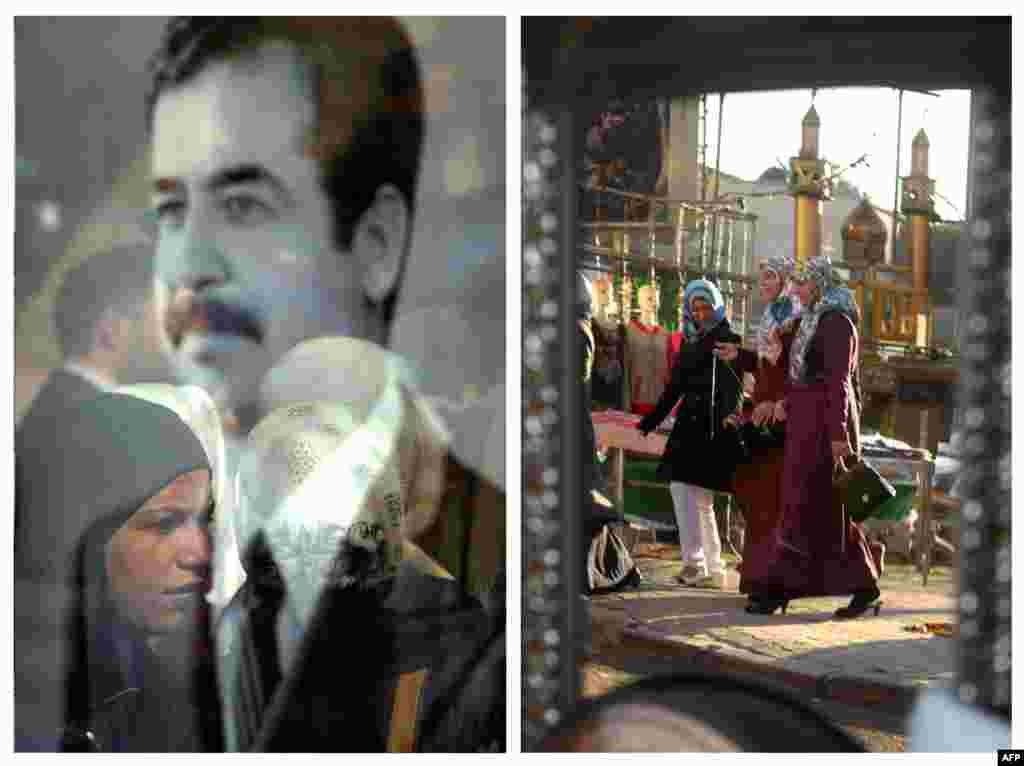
[{"x": 863, "y": 490}]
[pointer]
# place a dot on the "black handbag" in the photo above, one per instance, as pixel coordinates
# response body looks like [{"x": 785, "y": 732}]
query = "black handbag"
[
  {"x": 600, "y": 511},
  {"x": 764, "y": 437},
  {"x": 863, "y": 490}
]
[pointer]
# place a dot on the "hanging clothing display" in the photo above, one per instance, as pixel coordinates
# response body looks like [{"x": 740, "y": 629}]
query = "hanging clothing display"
[
  {"x": 647, "y": 361},
  {"x": 608, "y": 375},
  {"x": 675, "y": 343}
]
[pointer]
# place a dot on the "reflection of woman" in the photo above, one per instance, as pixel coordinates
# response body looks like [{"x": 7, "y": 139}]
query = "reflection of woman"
[
  {"x": 819, "y": 551},
  {"x": 689, "y": 457},
  {"x": 140, "y": 677},
  {"x": 606, "y": 561},
  {"x": 757, "y": 485}
]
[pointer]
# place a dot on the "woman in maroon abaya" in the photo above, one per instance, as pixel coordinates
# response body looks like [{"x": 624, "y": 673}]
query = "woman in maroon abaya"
[
  {"x": 818, "y": 550},
  {"x": 757, "y": 485}
]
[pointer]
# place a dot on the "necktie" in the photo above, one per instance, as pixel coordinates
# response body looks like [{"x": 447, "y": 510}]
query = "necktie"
[{"x": 260, "y": 669}]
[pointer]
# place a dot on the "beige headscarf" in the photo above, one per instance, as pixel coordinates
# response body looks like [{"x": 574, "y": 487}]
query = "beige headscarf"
[
  {"x": 375, "y": 387},
  {"x": 316, "y": 480}
]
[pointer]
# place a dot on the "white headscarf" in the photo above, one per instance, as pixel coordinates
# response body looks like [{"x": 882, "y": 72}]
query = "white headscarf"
[{"x": 781, "y": 309}]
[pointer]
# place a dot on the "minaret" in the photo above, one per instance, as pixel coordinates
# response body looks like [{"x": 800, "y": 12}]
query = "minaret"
[
  {"x": 917, "y": 205},
  {"x": 809, "y": 187}
]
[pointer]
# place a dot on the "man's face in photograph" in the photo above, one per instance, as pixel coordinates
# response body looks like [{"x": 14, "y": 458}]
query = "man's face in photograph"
[{"x": 246, "y": 260}]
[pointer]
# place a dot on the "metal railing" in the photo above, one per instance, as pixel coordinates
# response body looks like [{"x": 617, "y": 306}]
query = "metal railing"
[{"x": 631, "y": 234}]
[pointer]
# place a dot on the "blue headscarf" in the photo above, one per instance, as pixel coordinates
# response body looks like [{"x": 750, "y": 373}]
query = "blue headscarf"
[
  {"x": 780, "y": 310},
  {"x": 707, "y": 290}
]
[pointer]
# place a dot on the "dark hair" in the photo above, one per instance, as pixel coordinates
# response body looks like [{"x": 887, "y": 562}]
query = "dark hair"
[
  {"x": 120, "y": 280},
  {"x": 369, "y": 99}
]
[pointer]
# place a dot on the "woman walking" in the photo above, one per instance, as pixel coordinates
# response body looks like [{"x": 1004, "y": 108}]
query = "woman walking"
[
  {"x": 757, "y": 485},
  {"x": 710, "y": 391},
  {"x": 818, "y": 550}
]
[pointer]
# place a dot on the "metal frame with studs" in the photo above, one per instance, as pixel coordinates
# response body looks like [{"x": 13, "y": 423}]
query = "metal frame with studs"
[
  {"x": 551, "y": 606},
  {"x": 983, "y": 649}
]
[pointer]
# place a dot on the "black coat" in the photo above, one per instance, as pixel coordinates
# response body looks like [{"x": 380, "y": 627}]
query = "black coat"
[
  {"x": 595, "y": 515},
  {"x": 340, "y": 696},
  {"x": 699, "y": 451},
  {"x": 588, "y": 447}
]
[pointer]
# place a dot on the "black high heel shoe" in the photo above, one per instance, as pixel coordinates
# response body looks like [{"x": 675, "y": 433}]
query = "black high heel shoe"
[
  {"x": 862, "y": 601},
  {"x": 633, "y": 579},
  {"x": 765, "y": 604}
]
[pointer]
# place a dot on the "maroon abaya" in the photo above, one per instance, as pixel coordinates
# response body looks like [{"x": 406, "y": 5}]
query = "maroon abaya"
[
  {"x": 757, "y": 485},
  {"x": 818, "y": 550}
]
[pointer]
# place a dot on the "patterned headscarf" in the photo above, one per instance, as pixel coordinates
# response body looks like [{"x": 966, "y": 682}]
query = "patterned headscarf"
[
  {"x": 834, "y": 297},
  {"x": 707, "y": 290},
  {"x": 780, "y": 310}
]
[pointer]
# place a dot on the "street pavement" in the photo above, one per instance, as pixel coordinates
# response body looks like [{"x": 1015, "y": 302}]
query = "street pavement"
[{"x": 874, "y": 663}]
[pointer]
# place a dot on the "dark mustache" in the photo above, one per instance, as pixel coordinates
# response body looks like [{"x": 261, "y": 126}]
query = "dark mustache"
[{"x": 214, "y": 316}]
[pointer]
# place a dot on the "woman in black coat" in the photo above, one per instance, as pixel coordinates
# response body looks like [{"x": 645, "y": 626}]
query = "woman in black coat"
[{"x": 698, "y": 460}]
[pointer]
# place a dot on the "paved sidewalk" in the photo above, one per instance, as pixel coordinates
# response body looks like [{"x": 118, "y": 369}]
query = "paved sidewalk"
[{"x": 880, "y": 662}]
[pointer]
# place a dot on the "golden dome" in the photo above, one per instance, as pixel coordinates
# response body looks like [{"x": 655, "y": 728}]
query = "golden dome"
[
  {"x": 864, "y": 235},
  {"x": 864, "y": 224}
]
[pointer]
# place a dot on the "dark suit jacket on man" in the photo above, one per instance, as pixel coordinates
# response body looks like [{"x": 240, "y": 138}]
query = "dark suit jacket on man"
[{"x": 446, "y": 634}]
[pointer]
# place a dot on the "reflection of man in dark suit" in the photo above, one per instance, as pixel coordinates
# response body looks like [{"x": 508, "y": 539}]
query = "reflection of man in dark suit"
[{"x": 106, "y": 329}]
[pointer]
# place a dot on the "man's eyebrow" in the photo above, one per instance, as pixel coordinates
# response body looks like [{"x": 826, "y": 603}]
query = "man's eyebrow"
[{"x": 247, "y": 174}]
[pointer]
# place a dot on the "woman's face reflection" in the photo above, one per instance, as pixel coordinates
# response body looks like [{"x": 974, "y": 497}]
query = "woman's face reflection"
[
  {"x": 770, "y": 285},
  {"x": 808, "y": 292},
  {"x": 701, "y": 310},
  {"x": 158, "y": 562}
]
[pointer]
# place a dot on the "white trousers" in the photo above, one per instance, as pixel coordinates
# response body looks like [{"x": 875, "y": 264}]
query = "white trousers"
[{"x": 698, "y": 532}]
